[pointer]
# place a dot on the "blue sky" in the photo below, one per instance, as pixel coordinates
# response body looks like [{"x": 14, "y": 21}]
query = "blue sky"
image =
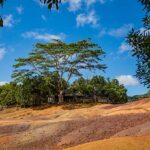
[{"x": 107, "y": 22}]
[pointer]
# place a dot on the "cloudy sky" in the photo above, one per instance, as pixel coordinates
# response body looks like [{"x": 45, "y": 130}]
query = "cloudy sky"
[{"x": 107, "y": 22}]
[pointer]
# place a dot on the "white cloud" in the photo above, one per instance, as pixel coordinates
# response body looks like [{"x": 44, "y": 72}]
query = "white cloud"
[
  {"x": 83, "y": 19},
  {"x": 124, "y": 47},
  {"x": 39, "y": 3},
  {"x": 103, "y": 32},
  {"x": 8, "y": 20},
  {"x": 44, "y": 36},
  {"x": 144, "y": 31},
  {"x": 102, "y": 1},
  {"x": 90, "y": 2},
  {"x": 44, "y": 17},
  {"x": 19, "y": 9},
  {"x": 121, "y": 31},
  {"x": 117, "y": 32},
  {"x": 2, "y": 52},
  {"x": 75, "y": 5},
  {"x": 3, "y": 83},
  {"x": 127, "y": 80}
]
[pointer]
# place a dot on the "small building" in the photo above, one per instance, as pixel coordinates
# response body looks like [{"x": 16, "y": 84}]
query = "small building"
[{"x": 73, "y": 97}]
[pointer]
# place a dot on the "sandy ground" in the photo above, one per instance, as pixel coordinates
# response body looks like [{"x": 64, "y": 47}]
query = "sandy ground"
[{"x": 61, "y": 127}]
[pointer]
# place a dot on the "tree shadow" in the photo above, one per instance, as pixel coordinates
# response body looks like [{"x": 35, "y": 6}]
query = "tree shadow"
[
  {"x": 66, "y": 106},
  {"x": 78, "y": 105},
  {"x": 46, "y": 106}
]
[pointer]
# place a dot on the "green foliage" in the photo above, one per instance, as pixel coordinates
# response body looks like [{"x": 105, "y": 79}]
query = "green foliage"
[
  {"x": 141, "y": 50},
  {"x": 81, "y": 85},
  {"x": 7, "y": 94},
  {"x": 46, "y": 72},
  {"x": 100, "y": 87},
  {"x": 2, "y": 2},
  {"x": 146, "y": 4},
  {"x": 51, "y": 3},
  {"x": 31, "y": 92},
  {"x": 65, "y": 60},
  {"x": 1, "y": 22},
  {"x": 115, "y": 92},
  {"x": 140, "y": 41},
  {"x": 35, "y": 91}
]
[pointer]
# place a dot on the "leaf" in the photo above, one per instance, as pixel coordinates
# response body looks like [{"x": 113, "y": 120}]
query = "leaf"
[
  {"x": 2, "y": 2},
  {"x": 1, "y": 22}
]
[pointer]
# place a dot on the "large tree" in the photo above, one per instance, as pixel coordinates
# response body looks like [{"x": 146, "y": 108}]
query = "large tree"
[
  {"x": 49, "y": 3},
  {"x": 140, "y": 41},
  {"x": 65, "y": 60}
]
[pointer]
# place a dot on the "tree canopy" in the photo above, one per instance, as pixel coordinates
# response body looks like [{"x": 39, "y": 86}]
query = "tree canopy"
[
  {"x": 146, "y": 4},
  {"x": 140, "y": 41},
  {"x": 65, "y": 60},
  {"x": 44, "y": 76}
]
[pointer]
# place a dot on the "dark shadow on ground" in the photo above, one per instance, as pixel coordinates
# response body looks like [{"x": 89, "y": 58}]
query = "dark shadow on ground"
[
  {"x": 67, "y": 106},
  {"x": 46, "y": 106},
  {"x": 78, "y": 106}
]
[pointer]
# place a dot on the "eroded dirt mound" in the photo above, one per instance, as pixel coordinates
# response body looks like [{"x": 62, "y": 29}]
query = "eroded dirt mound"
[
  {"x": 125, "y": 143},
  {"x": 55, "y": 128}
]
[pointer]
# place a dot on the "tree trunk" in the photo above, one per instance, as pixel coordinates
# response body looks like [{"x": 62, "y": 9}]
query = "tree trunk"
[
  {"x": 61, "y": 97},
  {"x": 95, "y": 98}
]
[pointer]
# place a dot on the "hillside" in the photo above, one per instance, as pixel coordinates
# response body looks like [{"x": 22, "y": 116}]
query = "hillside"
[
  {"x": 124, "y": 143},
  {"x": 60, "y": 127}
]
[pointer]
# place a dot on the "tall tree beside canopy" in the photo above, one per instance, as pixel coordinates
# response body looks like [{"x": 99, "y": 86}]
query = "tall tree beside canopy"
[
  {"x": 140, "y": 41},
  {"x": 50, "y": 4},
  {"x": 66, "y": 60}
]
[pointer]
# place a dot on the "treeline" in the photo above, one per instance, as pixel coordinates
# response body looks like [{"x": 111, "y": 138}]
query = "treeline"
[
  {"x": 38, "y": 90},
  {"x": 44, "y": 76}
]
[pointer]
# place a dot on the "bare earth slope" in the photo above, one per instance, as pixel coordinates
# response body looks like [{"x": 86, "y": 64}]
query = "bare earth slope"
[
  {"x": 59, "y": 127},
  {"x": 124, "y": 143}
]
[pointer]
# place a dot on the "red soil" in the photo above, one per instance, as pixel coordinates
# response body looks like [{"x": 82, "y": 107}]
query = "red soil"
[{"x": 54, "y": 128}]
